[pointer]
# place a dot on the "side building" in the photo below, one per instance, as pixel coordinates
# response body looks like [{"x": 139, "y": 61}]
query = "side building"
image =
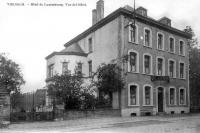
[{"x": 155, "y": 70}]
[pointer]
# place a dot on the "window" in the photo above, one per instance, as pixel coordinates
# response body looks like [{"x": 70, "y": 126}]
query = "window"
[
  {"x": 133, "y": 94},
  {"x": 181, "y": 48},
  {"x": 132, "y": 32},
  {"x": 133, "y": 64},
  {"x": 172, "y": 96},
  {"x": 172, "y": 67},
  {"x": 147, "y": 64},
  {"x": 182, "y": 96},
  {"x": 90, "y": 68},
  {"x": 90, "y": 45},
  {"x": 79, "y": 68},
  {"x": 50, "y": 72},
  {"x": 160, "y": 66},
  {"x": 171, "y": 45},
  {"x": 147, "y": 91},
  {"x": 65, "y": 69},
  {"x": 182, "y": 70},
  {"x": 160, "y": 41},
  {"x": 147, "y": 37}
]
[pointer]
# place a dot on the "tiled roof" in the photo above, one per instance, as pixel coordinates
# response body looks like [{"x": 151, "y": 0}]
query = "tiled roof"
[
  {"x": 74, "y": 49},
  {"x": 127, "y": 12}
]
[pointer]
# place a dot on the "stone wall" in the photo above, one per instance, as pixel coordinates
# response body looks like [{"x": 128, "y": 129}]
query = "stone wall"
[{"x": 76, "y": 114}]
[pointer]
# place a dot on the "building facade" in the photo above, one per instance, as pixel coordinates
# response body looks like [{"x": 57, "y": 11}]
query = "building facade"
[{"x": 155, "y": 69}]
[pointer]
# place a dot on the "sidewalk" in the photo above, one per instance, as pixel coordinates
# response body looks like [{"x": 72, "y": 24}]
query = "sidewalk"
[{"x": 87, "y": 123}]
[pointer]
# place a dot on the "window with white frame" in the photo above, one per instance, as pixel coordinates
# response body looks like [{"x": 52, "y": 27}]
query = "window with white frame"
[
  {"x": 147, "y": 95},
  {"x": 171, "y": 45},
  {"x": 65, "y": 69},
  {"x": 79, "y": 68},
  {"x": 181, "y": 70},
  {"x": 147, "y": 64},
  {"x": 182, "y": 96},
  {"x": 147, "y": 37},
  {"x": 133, "y": 94},
  {"x": 160, "y": 41},
  {"x": 172, "y": 68},
  {"x": 160, "y": 66},
  {"x": 172, "y": 96},
  {"x": 133, "y": 65},
  {"x": 181, "y": 48},
  {"x": 50, "y": 70},
  {"x": 133, "y": 32}
]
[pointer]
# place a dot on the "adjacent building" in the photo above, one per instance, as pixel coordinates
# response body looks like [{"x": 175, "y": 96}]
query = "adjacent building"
[{"x": 152, "y": 54}]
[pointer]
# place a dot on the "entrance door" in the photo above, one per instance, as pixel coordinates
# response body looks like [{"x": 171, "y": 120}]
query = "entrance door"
[{"x": 160, "y": 99}]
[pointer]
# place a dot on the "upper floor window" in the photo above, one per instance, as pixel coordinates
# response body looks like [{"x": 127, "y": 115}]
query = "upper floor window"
[
  {"x": 160, "y": 66},
  {"x": 147, "y": 37},
  {"x": 133, "y": 65},
  {"x": 132, "y": 32},
  {"x": 65, "y": 69},
  {"x": 90, "y": 68},
  {"x": 181, "y": 48},
  {"x": 171, "y": 45},
  {"x": 133, "y": 95},
  {"x": 147, "y": 64},
  {"x": 160, "y": 41},
  {"x": 50, "y": 70},
  {"x": 182, "y": 96},
  {"x": 90, "y": 45},
  {"x": 172, "y": 68},
  {"x": 181, "y": 70}
]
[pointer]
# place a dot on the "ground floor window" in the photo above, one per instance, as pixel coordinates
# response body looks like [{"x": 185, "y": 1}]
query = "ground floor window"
[
  {"x": 182, "y": 98},
  {"x": 172, "y": 96},
  {"x": 133, "y": 94},
  {"x": 147, "y": 95}
]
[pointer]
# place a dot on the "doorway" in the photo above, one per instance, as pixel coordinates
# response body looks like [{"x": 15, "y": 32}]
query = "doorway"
[{"x": 160, "y": 99}]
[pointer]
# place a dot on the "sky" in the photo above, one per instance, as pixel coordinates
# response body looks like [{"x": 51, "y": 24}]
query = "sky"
[{"x": 29, "y": 33}]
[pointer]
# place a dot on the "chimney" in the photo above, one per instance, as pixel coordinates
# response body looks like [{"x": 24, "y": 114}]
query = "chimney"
[
  {"x": 98, "y": 13},
  {"x": 94, "y": 16},
  {"x": 165, "y": 20},
  {"x": 100, "y": 10},
  {"x": 129, "y": 8},
  {"x": 142, "y": 11}
]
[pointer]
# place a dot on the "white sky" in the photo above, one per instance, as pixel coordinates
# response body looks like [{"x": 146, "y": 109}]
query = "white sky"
[{"x": 28, "y": 34}]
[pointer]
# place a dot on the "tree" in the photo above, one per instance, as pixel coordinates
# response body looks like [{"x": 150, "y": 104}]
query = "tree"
[
  {"x": 193, "y": 42},
  {"x": 16, "y": 100},
  {"x": 194, "y": 68},
  {"x": 108, "y": 80},
  {"x": 11, "y": 77},
  {"x": 66, "y": 89}
]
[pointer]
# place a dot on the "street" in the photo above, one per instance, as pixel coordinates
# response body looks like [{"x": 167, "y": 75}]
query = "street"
[{"x": 151, "y": 124}]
